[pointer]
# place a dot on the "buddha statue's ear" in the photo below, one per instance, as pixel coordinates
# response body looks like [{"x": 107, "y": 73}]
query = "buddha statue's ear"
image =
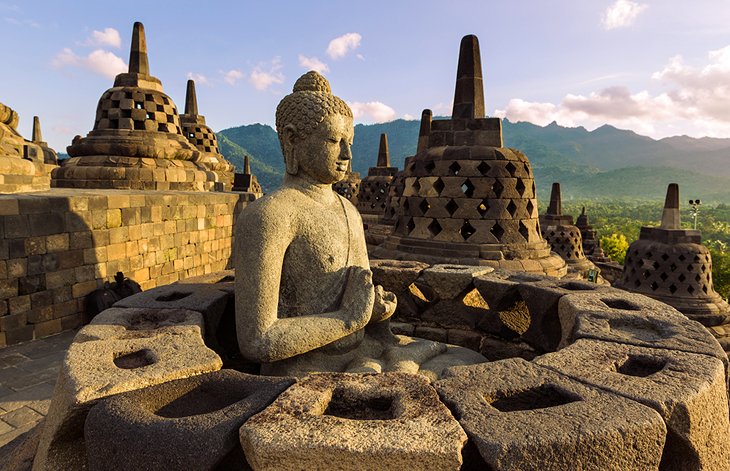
[{"x": 289, "y": 138}]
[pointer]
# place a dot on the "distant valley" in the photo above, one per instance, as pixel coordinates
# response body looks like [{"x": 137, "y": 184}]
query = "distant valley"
[{"x": 606, "y": 163}]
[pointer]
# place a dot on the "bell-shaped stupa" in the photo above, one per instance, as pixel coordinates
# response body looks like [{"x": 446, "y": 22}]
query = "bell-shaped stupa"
[
  {"x": 671, "y": 265},
  {"x": 466, "y": 198},
  {"x": 349, "y": 187},
  {"x": 24, "y": 165},
  {"x": 373, "y": 194},
  {"x": 591, "y": 245},
  {"x": 137, "y": 141},
  {"x": 203, "y": 138},
  {"x": 563, "y": 236}
]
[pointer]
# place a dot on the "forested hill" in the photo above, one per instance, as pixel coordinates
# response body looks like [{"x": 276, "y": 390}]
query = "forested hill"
[{"x": 603, "y": 163}]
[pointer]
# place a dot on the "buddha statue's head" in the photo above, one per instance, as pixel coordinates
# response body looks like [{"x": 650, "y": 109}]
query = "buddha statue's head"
[{"x": 315, "y": 131}]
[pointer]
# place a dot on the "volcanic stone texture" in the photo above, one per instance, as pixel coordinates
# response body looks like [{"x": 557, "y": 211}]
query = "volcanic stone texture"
[
  {"x": 189, "y": 423},
  {"x": 525, "y": 417},
  {"x": 355, "y": 422}
]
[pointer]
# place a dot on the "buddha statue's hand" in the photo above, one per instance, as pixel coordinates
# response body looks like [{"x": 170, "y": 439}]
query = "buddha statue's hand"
[
  {"x": 384, "y": 307},
  {"x": 358, "y": 298}
]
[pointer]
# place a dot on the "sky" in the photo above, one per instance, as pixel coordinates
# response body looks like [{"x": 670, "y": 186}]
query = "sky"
[{"x": 657, "y": 67}]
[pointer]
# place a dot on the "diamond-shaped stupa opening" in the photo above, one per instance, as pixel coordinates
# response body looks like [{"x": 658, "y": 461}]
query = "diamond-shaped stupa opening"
[
  {"x": 483, "y": 168},
  {"x": 483, "y": 207},
  {"x": 434, "y": 228},
  {"x": 438, "y": 185},
  {"x": 451, "y": 207},
  {"x": 467, "y": 230},
  {"x": 454, "y": 168},
  {"x": 468, "y": 188}
]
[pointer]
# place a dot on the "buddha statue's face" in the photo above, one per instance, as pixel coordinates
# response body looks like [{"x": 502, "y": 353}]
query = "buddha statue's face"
[{"x": 324, "y": 155}]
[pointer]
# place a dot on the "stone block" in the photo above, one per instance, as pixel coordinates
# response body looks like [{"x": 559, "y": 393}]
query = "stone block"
[
  {"x": 632, "y": 324},
  {"x": 686, "y": 389},
  {"x": 128, "y": 352},
  {"x": 522, "y": 416},
  {"x": 355, "y": 422},
  {"x": 396, "y": 275},
  {"x": 452, "y": 281},
  {"x": 198, "y": 417},
  {"x": 16, "y": 226}
]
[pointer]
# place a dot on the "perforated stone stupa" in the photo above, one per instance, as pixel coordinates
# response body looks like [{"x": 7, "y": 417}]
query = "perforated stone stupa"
[
  {"x": 374, "y": 188},
  {"x": 349, "y": 187},
  {"x": 24, "y": 165},
  {"x": 203, "y": 138},
  {"x": 671, "y": 264},
  {"x": 466, "y": 198},
  {"x": 137, "y": 140},
  {"x": 246, "y": 181},
  {"x": 563, "y": 236},
  {"x": 591, "y": 245}
]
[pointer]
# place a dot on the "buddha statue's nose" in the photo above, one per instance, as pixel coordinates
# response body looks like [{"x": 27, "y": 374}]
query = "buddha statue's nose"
[{"x": 345, "y": 152}]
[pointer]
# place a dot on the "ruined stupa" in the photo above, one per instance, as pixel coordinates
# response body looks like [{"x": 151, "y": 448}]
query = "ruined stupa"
[
  {"x": 203, "y": 138},
  {"x": 247, "y": 182},
  {"x": 671, "y": 265},
  {"x": 349, "y": 187},
  {"x": 137, "y": 141},
  {"x": 374, "y": 188},
  {"x": 563, "y": 236},
  {"x": 591, "y": 245},
  {"x": 24, "y": 165},
  {"x": 466, "y": 198}
]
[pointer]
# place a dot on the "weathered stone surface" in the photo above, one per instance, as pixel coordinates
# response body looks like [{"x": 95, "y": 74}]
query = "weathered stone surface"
[
  {"x": 355, "y": 422},
  {"x": 119, "y": 323},
  {"x": 450, "y": 281},
  {"x": 526, "y": 417},
  {"x": 189, "y": 423},
  {"x": 120, "y": 360},
  {"x": 497, "y": 290},
  {"x": 638, "y": 325},
  {"x": 396, "y": 275},
  {"x": 686, "y": 389}
]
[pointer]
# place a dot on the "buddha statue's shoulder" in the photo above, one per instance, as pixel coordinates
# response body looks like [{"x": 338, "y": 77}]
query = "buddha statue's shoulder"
[{"x": 283, "y": 206}]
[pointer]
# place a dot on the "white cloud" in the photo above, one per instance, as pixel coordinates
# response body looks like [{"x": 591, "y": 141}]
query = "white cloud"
[
  {"x": 313, "y": 63},
  {"x": 696, "y": 102},
  {"x": 232, "y": 76},
  {"x": 199, "y": 79},
  {"x": 372, "y": 111},
  {"x": 409, "y": 117},
  {"x": 23, "y": 22},
  {"x": 108, "y": 37},
  {"x": 265, "y": 75},
  {"x": 621, "y": 13},
  {"x": 99, "y": 61},
  {"x": 340, "y": 46}
]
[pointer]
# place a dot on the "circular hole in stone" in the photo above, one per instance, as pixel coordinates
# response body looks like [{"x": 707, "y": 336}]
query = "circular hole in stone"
[
  {"x": 132, "y": 360},
  {"x": 620, "y": 304},
  {"x": 174, "y": 296},
  {"x": 348, "y": 404},
  {"x": 575, "y": 286}
]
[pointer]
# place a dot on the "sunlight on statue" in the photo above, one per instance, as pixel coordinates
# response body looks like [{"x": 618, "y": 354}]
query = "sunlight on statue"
[{"x": 305, "y": 301}]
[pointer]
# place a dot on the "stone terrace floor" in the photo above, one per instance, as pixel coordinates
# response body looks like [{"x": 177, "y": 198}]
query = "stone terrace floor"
[{"x": 28, "y": 373}]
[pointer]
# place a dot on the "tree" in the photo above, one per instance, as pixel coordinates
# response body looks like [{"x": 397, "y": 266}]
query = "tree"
[{"x": 615, "y": 247}]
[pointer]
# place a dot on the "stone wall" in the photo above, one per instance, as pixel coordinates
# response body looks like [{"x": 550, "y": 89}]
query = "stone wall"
[{"x": 56, "y": 247}]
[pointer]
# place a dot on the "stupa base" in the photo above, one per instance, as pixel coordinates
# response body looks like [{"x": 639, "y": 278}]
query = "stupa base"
[
  {"x": 138, "y": 173},
  {"x": 21, "y": 175}
]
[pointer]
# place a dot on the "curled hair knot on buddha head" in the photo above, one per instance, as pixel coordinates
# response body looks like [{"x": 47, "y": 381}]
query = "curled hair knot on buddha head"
[{"x": 308, "y": 105}]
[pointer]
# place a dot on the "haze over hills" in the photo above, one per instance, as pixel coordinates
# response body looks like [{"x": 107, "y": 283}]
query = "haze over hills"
[{"x": 604, "y": 163}]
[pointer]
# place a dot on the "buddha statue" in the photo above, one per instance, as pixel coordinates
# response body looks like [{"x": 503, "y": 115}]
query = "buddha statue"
[{"x": 305, "y": 301}]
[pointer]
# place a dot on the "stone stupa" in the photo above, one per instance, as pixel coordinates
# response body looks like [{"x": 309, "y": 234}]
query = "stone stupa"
[
  {"x": 24, "y": 165},
  {"x": 203, "y": 138},
  {"x": 591, "y": 245},
  {"x": 373, "y": 194},
  {"x": 563, "y": 236},
  {"x": 349, "y": 187},
  {"x": 670, "y": 264},
  {"x": 247, "y": 182},
  {"x": 466, "y": 198},
  {"x": 137, "y": 140}
]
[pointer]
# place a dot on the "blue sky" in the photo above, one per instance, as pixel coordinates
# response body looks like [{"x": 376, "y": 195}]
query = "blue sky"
[{"x": 658, "y": 67}]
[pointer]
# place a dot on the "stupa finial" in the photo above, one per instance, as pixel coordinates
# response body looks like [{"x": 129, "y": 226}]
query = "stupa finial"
[
  {"x": 425, "y": 130},
  {"x": 555, "y": 208},
  {"x": 191, "y": 101},
  {"x": 246, "y": 166},
  {"x": 138, "y": 62},
  {"x": 383, "y": 154},
  {"x": 37, "y": 136},
  {"x": 469, "y": 95},
  {"x": 670, "y": 215}
]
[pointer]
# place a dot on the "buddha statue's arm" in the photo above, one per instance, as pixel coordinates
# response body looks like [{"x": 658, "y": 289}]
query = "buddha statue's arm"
[{"x": 262, "y": 336}]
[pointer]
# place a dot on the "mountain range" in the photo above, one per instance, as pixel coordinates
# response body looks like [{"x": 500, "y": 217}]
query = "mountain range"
[{"x": 606, "y": 163}]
